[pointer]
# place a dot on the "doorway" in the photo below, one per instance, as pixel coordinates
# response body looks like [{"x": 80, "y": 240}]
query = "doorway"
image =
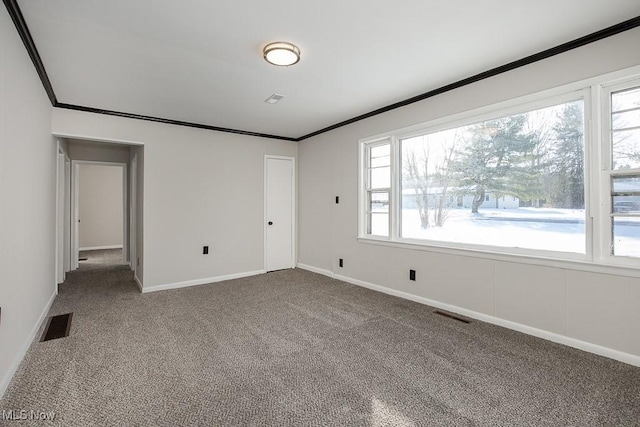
[
  {"x": 129, "y": 158},
  {"x": 100, "y": 213},
  {"x": 279, "y": 213}
]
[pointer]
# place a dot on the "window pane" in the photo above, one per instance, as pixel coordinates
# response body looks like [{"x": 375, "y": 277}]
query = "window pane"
[
  {"x": 625, "y": 144},
  {"x": 380, "y": 150},
  {"x": 625, "y": 194},
  {"x": 626, "y": 149},
  {"x": 626, "y": 236},
  {"x": 625, "y": 99},
  {"x": 517, "y": 181},
  {"x": 626, "y": 204},
  {"x": 380, "y": 177},
  {"x": 626, "y": 184},
  {"x": 378, "y": 216},
  {"x": 378, "y": 202},
  {"x": 626, "y": 120},
  {"x": 379, "y": 224},
  {"x": 380, "y": 161}
]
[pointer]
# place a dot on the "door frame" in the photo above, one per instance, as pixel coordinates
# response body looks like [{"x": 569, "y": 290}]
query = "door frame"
[
  {"x": 133, "y": 201},
  {"x": 294, "y": 249},
  {"x": 63, "y": 185},
  {"x": 67, "y": 214},
  {"x": 75, "y": 176}
]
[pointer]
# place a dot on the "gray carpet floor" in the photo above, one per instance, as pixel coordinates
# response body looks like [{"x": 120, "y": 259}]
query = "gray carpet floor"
[
  {"x": 296, "y": 348},
  {"x": 99, "y": 259}
]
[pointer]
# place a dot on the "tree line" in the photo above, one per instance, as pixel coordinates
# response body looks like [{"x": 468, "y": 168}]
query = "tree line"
[{"x": 537, "y": 157}]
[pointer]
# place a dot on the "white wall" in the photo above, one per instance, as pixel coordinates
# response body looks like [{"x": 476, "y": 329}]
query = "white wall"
[
  {"x": 100, "y": 206},
  {"x": 80, "y": 149},
  {"x": 201, "y": 188},
  {"x": 597, "y": 311},
  {"x": 28, "y": 157}
]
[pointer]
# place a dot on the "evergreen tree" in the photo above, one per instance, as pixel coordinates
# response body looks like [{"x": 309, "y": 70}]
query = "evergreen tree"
[
  {"x": 493, "y": 157},
  {"x": 567, "y": 161}
]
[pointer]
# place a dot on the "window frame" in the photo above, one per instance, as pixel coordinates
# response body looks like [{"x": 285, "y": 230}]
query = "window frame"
[
  {"x": 597, "y": 182},
  {"x": 366, "y": 189},
  {"x": 607, "y": 173}
]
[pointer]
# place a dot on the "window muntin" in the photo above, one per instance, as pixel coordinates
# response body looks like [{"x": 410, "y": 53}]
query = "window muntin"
[{"x": 516, "y": 181}]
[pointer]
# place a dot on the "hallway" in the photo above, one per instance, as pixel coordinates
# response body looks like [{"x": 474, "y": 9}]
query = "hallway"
[{"x": 99, "y": 259}]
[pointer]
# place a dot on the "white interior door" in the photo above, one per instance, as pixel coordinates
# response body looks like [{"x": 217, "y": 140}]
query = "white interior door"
[{"x": 279, "y": 213}]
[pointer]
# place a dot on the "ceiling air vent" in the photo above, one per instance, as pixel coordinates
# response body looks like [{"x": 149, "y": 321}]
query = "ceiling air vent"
[{"x": 273, "y": 98}]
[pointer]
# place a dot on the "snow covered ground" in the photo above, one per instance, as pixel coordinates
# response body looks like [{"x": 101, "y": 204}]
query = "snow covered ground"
[{"x": 531, "y": 228}]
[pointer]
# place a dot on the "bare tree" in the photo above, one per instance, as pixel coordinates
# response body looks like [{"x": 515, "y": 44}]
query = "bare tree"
[
  {"x": 417, "y": 170},
  {"x": 431, "y": 176},
  {"x": 445, "y": 175}
]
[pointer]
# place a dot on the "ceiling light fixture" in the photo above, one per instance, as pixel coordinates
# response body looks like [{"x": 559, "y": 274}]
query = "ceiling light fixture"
[{"x": 282, "y": 54}]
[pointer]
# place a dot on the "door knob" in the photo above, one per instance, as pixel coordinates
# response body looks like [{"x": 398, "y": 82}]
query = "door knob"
[{"x": 270, "y": 222}]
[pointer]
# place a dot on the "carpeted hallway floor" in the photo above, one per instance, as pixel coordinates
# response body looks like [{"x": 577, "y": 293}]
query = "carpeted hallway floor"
[
  {"x": 296, "y": 348},
  {"x": 99, "y": 259}
]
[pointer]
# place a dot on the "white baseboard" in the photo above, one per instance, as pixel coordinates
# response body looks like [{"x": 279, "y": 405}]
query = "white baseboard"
[
  {"x": 95, "y": 248},
  {"x": 316, "y": 270},
  {"x": 25, "y": 346},
  {"x": 204, "y": 281},
  {"x": 628, "y": 358}
]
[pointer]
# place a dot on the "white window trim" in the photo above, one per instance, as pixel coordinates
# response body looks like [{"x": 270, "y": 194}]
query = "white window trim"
[
  {"x": 606, "y": 174},
  {"x": 363, "y": 185},
  {"x": 597, "y": 181}
]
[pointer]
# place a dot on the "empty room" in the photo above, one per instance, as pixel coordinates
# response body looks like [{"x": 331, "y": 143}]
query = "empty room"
[{"x": 366, "y": 213}]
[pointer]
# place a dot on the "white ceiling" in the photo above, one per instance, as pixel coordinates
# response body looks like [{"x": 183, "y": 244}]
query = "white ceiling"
[{"x": 200, "y": 61}]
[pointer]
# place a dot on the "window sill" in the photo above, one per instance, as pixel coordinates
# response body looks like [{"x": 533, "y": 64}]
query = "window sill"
[{"x": 497, "y": 255}]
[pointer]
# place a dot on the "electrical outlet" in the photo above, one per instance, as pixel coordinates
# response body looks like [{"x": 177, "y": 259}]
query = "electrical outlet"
[
  {"x": 412, "y": 275},
  {"x": 205, "y": 250},
  {"x": 337, "y": 199},
  {"x": 340, "y": 263}
]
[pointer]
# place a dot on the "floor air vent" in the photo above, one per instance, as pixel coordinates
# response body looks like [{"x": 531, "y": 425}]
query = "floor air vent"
[
  {"x": 57, "y": 327},
  {"x": 451, "y": 316}
]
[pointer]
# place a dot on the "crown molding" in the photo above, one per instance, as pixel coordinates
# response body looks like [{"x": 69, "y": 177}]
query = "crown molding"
[
  {"x": 25, "y": 35},
  {"x": 565, "y": 47},
  {"x": 171, "y": 121}
]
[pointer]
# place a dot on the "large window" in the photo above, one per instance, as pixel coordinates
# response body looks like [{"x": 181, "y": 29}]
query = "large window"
[{"x": 514, "y": 182}]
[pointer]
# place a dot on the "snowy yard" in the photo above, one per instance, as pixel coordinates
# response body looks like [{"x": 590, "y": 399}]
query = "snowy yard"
[{"x": 531, "y": 228}]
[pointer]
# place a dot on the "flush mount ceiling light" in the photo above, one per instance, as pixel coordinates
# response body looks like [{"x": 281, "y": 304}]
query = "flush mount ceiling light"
[{"x": 282, "y": 54}]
